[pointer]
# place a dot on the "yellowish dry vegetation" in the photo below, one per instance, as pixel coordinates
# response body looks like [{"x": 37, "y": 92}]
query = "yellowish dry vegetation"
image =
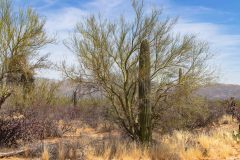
[
  {"x": 215, "y": 142},
  {"x": 218, "y": 143},
  {"x": 45, "y": 154},
  {"x": 120, "y": 151}
]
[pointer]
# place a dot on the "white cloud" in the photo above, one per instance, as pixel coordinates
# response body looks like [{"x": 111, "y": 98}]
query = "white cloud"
[
  {"x": 59, "y": 24},
  {"x": 104, "y": 5},
  {"x": 64, "y": 19},
  {"x": 62, "y": 22},
  {"x": 225, "y": 45},
  {"x": 211, "y": 32}
]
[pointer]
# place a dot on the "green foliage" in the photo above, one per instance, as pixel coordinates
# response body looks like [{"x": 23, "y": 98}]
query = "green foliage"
[
  {"x": 44, "y": 94},
  {"x": 22, "y": 36},
  {"x": 177, "y": 113},
  {"x": 108, "y": 57}
]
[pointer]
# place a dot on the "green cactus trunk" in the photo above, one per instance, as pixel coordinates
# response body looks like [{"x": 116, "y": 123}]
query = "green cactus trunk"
[
  {"x": 179, "y": 75},
  {"x": 74, "y": 98},
  {"x": 145, "y": 117}
]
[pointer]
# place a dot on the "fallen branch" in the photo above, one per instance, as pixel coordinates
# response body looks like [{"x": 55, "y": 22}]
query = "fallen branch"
[
  {"x": 12, "y": 153},
  {"x": 37, "y": 149}
]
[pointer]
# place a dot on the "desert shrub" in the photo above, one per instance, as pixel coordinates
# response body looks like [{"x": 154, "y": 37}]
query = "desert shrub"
[
  {"x": 93, "y": 115},
  {"x": 44, "y": 93},
  {"x": 181, "y": 115},
  {"x": 10, "y": 130},
  {"x": 40, "y": 125},
  {"x": 187, "y": 113},
  {"x": 26, "y": 126},
  {"x": 14, "y": 130}
]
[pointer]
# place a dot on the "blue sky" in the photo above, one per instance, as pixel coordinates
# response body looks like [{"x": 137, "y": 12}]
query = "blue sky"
[{"x": 216, "y": 21}]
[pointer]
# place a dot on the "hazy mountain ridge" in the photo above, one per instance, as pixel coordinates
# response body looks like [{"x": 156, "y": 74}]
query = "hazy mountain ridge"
[
  {"x": 215, "y": 91},
  {"x": 220, "y": 91}
]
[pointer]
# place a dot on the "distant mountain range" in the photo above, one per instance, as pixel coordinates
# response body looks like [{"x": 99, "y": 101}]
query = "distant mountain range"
[
  {"x": 215, "y": 91},
  {"x": 220, "y": 91}
]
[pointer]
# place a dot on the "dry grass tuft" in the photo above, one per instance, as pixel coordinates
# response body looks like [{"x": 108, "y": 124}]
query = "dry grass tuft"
[
  {"x": 118, "y": 150},
  {"x": 218, "y": 143},
  {"x": 226, "y": 119},
  {"x": 215, "y": 144},
  {"x": 45, "y": 154},
  {"x": 61, "y": 152},
  {"x": 72, "y": 153}
]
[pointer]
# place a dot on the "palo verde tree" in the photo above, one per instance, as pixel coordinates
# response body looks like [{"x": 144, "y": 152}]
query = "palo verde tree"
[
  {"x": 22, "y": 36},
  {"x": 109, "y": 55}
]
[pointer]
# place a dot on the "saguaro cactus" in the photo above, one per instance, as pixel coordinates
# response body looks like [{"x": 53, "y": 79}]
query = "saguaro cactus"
[
  {"x": 179, "y": 75},
  {"x": 145, "y": 118},
  {"x": 74, "y": 98}
]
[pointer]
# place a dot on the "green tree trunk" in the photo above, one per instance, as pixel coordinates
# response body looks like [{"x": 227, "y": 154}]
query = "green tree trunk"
[{"x": 145, "y": 117}]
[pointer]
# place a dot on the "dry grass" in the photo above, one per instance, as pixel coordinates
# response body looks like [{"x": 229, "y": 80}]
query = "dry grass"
[
  {"x": 61, "y": 152},
  {"x": 226, "y": 119},
  {"x": 45, "y": 154},
  {"x": 181, "y": 145},
  {"x": 117, "y": 150},
  {"x": 215, "y": 144}
]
